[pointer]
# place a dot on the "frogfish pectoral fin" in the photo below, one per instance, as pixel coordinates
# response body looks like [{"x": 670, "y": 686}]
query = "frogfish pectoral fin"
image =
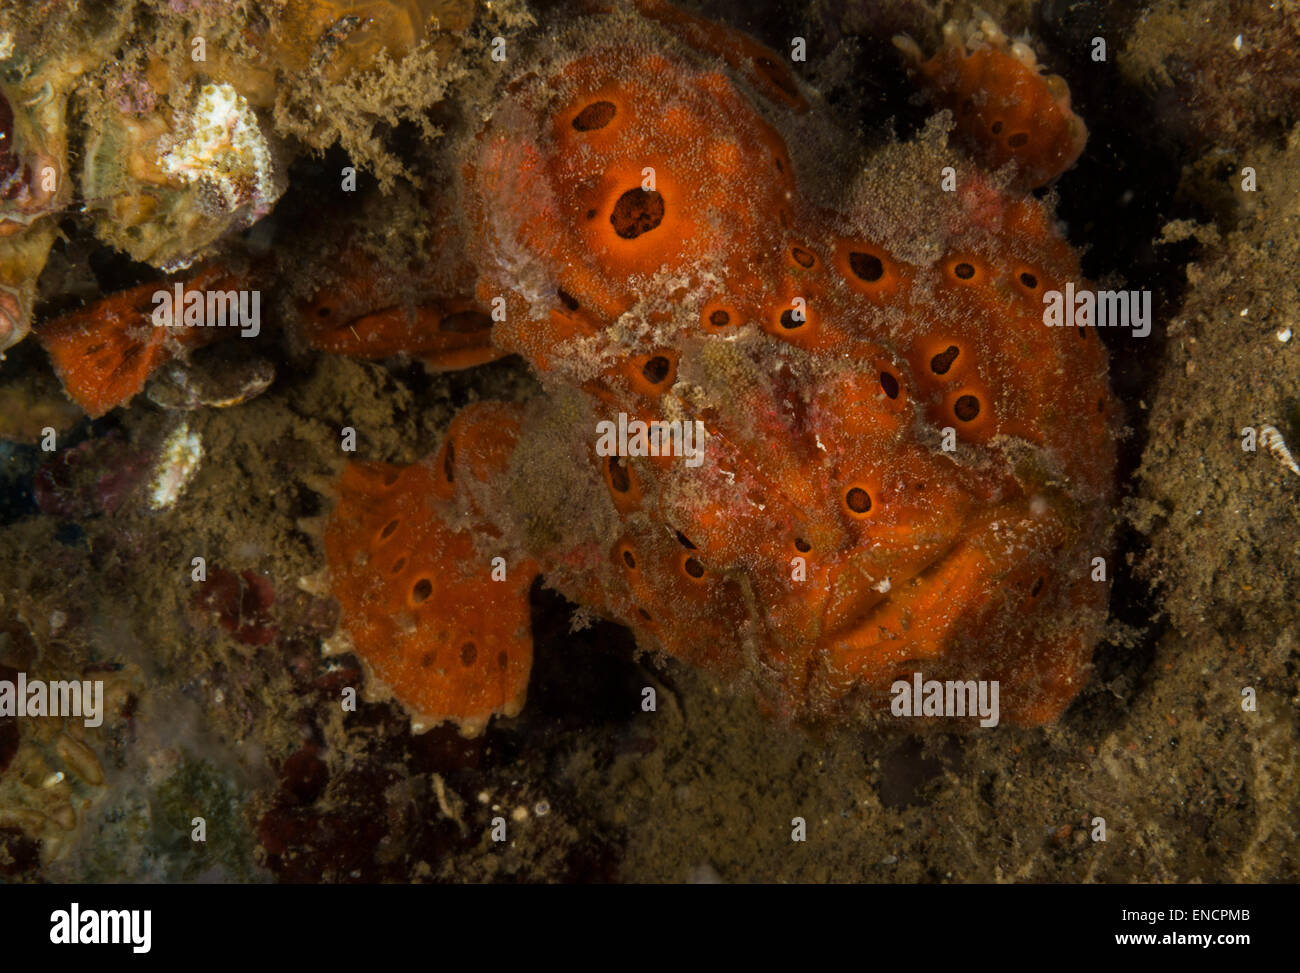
[{"x": 432, "y": 612}]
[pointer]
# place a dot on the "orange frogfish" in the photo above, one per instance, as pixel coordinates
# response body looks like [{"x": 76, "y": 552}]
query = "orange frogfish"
[{"x": 811, "y": 437}]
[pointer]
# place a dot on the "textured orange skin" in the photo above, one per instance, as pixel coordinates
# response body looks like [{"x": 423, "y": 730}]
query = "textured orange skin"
[
  {"x": 1006, "y": 111},
  {"x": 423, "y": 609},
  {"x": 762, "y": 562},
  {"x": 353, "y": 317}
]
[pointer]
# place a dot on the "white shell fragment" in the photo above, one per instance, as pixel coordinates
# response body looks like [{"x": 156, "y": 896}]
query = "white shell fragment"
[
  {"x": 1272, "y": 440},
  {"x": 219, "y": 384},
  {"x": 220, "y": 146},
  {"x": 182, "y": 452}
]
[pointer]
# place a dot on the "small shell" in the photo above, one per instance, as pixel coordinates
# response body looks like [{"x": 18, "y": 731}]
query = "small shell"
[
  {"x": 1276, "y": 445},
  {"x": 182, "y": 452},
  {"x": 219, "y": 384},
  {"x": 337, "y": 644},
  {"x": 80, "y": 758},
  {"x": 317, "y": 583}
]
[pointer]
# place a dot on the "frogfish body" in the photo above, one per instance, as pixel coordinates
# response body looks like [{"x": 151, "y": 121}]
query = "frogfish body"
[{"x": 812, "y": 447}]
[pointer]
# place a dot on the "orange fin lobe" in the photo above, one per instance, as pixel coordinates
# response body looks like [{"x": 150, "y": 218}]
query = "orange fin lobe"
[
  {"x": 443, "y": 624},
  {"x": 104, "y": 352},
  {"x": 1006, "y": 109}
]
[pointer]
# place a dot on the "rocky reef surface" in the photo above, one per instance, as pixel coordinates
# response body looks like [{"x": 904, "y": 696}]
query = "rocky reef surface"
[{"x": 294, "y": 143}]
